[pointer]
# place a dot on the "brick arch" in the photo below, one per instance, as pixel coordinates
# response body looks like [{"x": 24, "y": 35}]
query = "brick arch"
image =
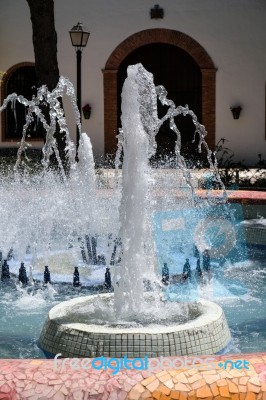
[
  {"x": 148, "y": 36},
  {"x": 4, "y": 81}
]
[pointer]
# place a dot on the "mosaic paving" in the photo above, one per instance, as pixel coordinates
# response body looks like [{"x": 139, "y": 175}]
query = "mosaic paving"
[{"x": 38, "y": 379}]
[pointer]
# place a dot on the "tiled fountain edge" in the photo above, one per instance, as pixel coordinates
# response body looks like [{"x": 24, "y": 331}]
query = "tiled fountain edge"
[{"x": 207, "y": 334}]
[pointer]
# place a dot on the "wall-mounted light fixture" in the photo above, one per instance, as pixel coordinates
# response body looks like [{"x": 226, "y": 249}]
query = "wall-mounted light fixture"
[
  {"x": 157, "y": 12},
  {"x": 86, "y": 111},
  {"x": 236, "y": 110}
]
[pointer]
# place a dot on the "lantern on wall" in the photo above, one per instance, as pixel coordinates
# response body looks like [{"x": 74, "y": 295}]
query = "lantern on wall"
[
  {"x": 86, "y": 111},
  {"x": 236, "y": 111}
]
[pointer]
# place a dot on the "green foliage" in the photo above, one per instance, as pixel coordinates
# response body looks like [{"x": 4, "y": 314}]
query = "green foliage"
[{"x": 236, "y": 172}]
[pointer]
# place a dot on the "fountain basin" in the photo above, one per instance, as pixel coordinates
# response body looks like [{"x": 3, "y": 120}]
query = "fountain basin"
[{"x": 206, "y": 334}]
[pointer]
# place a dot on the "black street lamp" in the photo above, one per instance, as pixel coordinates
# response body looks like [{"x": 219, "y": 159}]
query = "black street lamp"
[{"x": 79, "y": 36}]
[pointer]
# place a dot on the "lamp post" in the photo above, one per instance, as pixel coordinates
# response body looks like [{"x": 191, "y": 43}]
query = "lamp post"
[{"x": 79, "y": 36}]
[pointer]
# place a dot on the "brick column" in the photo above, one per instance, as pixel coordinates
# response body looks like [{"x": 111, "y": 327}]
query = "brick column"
[{"x": 110, "y": 110}]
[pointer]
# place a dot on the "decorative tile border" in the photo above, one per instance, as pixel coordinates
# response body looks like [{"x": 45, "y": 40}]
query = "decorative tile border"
[
  {"x": 248, "y": 197},
  {"x": 37, "y": 379}
]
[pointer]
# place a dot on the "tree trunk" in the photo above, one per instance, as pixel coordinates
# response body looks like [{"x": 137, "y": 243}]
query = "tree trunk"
[{"x": 45, "y": 50}]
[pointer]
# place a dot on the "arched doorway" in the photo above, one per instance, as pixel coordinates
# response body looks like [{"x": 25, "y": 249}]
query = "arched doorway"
[
  {"x": 176, "y": 70},
  {"x": 173, "y": 39},
  {"x": 20, "y": 79}
]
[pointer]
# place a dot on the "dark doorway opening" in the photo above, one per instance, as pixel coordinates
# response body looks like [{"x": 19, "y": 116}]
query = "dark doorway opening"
[
  {"x": 23, "y": 82},
  {"x": 177, "y": 71}
]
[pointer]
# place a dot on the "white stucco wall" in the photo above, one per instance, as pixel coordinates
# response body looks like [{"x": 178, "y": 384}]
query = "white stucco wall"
[{"x": 232, "y": 32}]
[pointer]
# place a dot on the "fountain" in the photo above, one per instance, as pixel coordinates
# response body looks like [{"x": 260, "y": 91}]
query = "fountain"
[{"x": 135, "y": 320}]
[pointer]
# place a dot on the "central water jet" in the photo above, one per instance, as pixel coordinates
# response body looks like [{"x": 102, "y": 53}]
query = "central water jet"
[{"x": 137, "y": 138}]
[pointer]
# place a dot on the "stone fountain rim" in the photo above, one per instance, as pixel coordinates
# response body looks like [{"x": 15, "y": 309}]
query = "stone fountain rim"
[{"x": 210, "y": 312}]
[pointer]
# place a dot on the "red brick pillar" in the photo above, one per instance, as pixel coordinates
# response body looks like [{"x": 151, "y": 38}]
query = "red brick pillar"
[{"x": 110, "y": 109}]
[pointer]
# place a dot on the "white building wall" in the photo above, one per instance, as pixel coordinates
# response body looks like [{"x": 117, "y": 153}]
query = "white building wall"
[{"x": 231, "y": 31}]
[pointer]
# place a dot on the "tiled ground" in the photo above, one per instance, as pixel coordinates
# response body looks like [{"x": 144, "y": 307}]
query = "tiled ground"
[{"x": 38, "y": 379}]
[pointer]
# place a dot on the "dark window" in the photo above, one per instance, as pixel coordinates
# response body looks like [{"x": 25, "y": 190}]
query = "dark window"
[{"x": 23, "y": 82}]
